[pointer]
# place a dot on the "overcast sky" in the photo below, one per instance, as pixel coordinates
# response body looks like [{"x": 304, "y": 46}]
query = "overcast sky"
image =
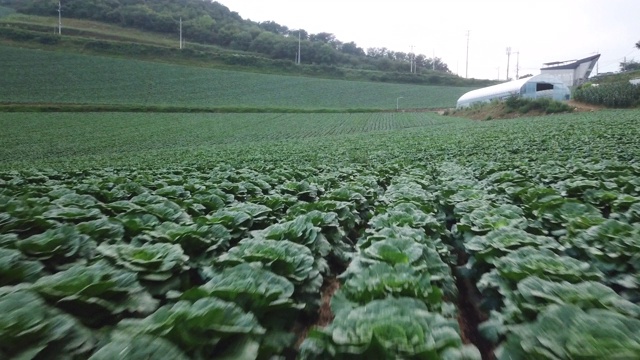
[{"x": 541, "y": 31}]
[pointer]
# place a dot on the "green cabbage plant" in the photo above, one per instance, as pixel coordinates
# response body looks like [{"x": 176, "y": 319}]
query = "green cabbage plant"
[
  {"x": 31, "y": 329},
  {"x": 568, "y": 332},
  {"x": 96, "y": 293},
  {"x": 400, "y": 328},
  {"x": 204, "y": 329}
]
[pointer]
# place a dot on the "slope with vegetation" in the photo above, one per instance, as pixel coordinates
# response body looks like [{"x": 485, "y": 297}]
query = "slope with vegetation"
[
  {"x": 512, "y": 107},
  {"x": 267, "y": 47},
  {"x": 43, "y": 77}
]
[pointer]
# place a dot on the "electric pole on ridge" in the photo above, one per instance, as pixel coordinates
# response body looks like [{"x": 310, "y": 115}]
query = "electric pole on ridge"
[
  {"x": 466, "y": 75},
  {"x": 411, "y": 58},
  {"x": 180, "y": 33},
  {"x": 517, "y": 65},
  {"x": 298, "y": 58},
  {"x": 508, "y": 59},
  {"x": 59, "y": 18}
]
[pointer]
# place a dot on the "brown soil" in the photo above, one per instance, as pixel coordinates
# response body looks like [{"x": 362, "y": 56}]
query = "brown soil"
[
  {"x": 582, "y": 107},
  {"x": 470, "y": 316},
  {"x": 330, "y": 286},
  {"x": 325, "y": 316}
]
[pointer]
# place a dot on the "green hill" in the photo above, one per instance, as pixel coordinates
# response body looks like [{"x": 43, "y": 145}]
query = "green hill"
[
  {"x": 35, "y": 76},
  {"x": 215, "y": 37}
]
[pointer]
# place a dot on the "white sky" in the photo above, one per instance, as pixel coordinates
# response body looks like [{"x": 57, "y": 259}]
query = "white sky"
[{"x": 542, "y": 31}]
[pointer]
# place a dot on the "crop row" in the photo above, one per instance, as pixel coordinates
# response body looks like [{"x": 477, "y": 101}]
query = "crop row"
[{"x": 554, "y": 256}]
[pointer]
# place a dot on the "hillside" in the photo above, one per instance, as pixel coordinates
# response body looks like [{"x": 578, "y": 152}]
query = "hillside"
[
  {"x": 35, "y": 76},
  {"x": 269, "y": 47}
]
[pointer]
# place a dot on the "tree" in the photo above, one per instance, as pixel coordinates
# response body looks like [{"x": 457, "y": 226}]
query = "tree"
[
  {"x": 638, "y": 44},
  {"x": 629, "y": 65},
  {"x": 352, "y": 49},
  {"x": 274, "y": 27}
]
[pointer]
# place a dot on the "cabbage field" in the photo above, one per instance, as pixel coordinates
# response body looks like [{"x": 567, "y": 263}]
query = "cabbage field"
[
  {"x": 50, "y": 77},
  {"x": 319, "y": 236}
]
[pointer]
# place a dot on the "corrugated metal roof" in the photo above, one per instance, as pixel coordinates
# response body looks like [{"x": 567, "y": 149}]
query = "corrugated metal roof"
[{"x": 573, "y": 65}]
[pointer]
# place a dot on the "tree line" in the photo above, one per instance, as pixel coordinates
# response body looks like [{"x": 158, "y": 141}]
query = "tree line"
[{"x": 212, "y": 23}]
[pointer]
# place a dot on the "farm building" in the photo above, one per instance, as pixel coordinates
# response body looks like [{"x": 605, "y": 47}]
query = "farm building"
[
  {"x": 571, "y": 72},
  {"x": 533, "y": 87}
]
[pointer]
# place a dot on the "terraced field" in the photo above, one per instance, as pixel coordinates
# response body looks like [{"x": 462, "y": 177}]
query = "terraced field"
[{"x": 35, "y": 76}]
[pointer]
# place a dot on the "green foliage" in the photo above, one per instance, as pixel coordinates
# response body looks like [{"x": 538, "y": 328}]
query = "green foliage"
[
  {"x": 567, "y": 332},
  {"x": 388, "y": 328},
  {"x": 614, "y": 95},
  {"x": 57, "y": 247},
  {"x": 215, "y": 24},
  {"x": 159, "y": 267},
  {"x": 545, "y": 105},
  {"x": 489, "y": 248},
  {"x": 15, "y": 268},
  {"x": 30, "y": 329},
  {"x": 96, "y": 293},
  {"x": 127, "y": 347},
  {"x": 201, "y": 328},
  {"x": 250, "y": 287},
  {"x": 382, "y": 280}
]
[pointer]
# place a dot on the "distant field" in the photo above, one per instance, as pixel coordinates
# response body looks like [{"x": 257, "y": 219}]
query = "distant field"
[
  {"x": 33, "y": 76},
  {"x": 63, "y": 136},
  {"x": 152, "y": 139}
]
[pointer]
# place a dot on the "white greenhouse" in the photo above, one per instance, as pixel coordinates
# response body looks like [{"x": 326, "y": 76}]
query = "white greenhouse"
[{"x": 534, "y": 87}]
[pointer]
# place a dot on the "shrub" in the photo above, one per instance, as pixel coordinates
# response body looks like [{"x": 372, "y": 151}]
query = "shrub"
[{"x": 524, "y": 105}]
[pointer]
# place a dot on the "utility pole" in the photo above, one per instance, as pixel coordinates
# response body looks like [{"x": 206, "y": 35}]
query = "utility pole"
[
  {"x": 299, "y": 47},
  {"x": 411, "y": 59},
  {"x": 433, "y": 63},
  {"x": 59, "y": 18},
  {"x": 498, "y": 68},
  {"x": 517, "y": 65},
  {"x": 508, "y": 59},
  {"x": 466, "y": 75},
  {"x": 181, "y": 33}
]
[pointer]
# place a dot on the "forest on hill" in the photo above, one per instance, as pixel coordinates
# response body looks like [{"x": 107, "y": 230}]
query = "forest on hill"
[{"x": 213, "y": 23}]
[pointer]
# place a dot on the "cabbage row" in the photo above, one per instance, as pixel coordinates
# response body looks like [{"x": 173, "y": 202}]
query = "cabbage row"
[
  {"x": 397, "y": 296},
  {"x": 554, "y": 254}
]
